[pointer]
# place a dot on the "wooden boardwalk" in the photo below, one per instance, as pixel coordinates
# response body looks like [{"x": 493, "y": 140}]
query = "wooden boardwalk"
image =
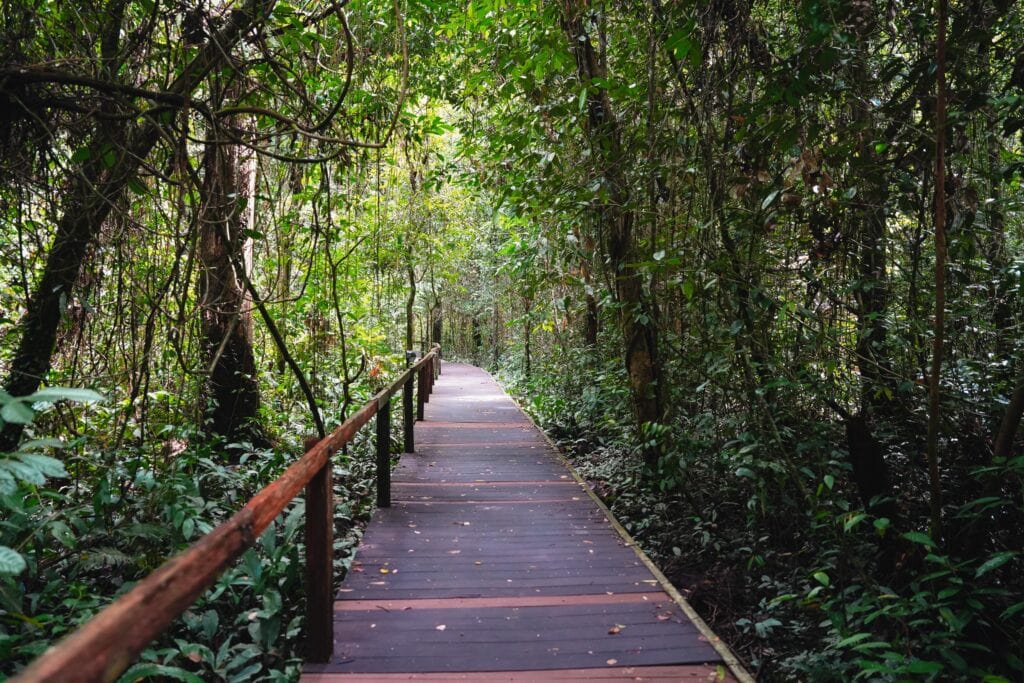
[{"x": 495, "y": 564}]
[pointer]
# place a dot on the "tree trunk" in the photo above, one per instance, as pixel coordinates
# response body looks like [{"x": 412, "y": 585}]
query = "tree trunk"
[
  {"x": 226, "y": 312},
  {"x": 636, "y": 315},
  {"x": 436, "y": 322}
]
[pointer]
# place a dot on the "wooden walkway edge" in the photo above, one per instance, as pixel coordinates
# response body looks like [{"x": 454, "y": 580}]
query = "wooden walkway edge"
[{"x": 497, "y": 563}]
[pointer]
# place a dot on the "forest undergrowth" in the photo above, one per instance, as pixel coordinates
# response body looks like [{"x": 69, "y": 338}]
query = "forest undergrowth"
[
  {"x": 86, "y": 538},
  {"x": 820, "y": 593}
]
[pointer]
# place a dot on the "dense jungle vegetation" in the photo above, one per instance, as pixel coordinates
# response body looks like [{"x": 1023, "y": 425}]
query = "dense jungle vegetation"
[{"x": 756, "y": 265}]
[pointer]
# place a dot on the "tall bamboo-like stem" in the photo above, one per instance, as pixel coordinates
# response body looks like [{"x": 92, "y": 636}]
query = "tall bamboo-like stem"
[{"x": 934, "y": 409}]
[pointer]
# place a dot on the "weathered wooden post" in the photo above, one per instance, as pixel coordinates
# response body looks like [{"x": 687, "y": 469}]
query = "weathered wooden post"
[
  {"x": 421, "y": 390},
  {"x": 408, "y": 423},
  {"x": 384, "y": 452},
  {"x": 320, "y": 561}
]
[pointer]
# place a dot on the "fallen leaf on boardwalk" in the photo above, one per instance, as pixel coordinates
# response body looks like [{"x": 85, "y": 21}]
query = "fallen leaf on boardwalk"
[
  {"x": 461, "y": 523},
  {"x": 665, "y": 616},
  {"x": 440, "y": 627},
  {"x": 385, "y": 570},
  {"x": 615, "y": 630},
  {"x": 612, "y": 662},
  {"x": 454, "y": 552},
  {"x": 478, "y": 562}
]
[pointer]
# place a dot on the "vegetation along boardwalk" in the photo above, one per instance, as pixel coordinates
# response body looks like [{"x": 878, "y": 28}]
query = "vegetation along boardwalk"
[{"x": 495, "y": 563}]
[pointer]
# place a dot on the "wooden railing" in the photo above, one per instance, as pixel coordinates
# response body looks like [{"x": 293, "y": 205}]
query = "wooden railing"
[{"x": 107, "y": 644}]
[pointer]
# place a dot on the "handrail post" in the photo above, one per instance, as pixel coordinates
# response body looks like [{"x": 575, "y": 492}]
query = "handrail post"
[
  {"x": 408, "y": 425},
  {"x": 384, "y": 453},
  {"x": 320, "y": 562},
  {"x": 421, "y": 391},
  {"x": 429, "y": 376}
]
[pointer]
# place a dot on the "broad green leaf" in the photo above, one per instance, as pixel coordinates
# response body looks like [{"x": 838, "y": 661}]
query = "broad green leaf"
[
  {"x": 994, "y": 562},
  {"x": 770, "y": 199},
  {"x": 22, "y": 471},
  {"x": 149, "y": 671},
  {"x": 11, "y": 561},
  {"x": 16, "y": 412},
  {"x": 50, "y": 467},
  {"x": 919, "y": 538},
  {"x": 922, "y": 666},
  {"x": 62, "y": 532},
  {"x": 54, "y": 394}
]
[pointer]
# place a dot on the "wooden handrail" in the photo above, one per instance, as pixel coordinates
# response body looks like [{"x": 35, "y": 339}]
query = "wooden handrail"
[{"x": 102, "y": 648}]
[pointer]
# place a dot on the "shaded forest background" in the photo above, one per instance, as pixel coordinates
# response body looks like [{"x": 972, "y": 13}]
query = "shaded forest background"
[{"x": 756, "y": 265}]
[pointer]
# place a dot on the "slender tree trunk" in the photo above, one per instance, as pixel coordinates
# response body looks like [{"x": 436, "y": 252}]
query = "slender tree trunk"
[
  {"x": 636, "y": 314},
  {"x": 436, "y": 322},
  {"x": 410, "y": 307},
  {"x": 934, "y": 403}
]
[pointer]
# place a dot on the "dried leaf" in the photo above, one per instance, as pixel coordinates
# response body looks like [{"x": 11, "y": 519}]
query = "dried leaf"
[{"x": 440, "y": 627}]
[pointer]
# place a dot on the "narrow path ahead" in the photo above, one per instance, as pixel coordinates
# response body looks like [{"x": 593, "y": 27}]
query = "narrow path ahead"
[{"x": 495, "y": 564}]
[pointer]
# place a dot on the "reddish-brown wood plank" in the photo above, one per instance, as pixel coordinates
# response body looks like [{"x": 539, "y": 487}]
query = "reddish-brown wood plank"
[
  {"x": 459, "y": 603},
  {"x": 678, "y": 674},
  {"x": 494, "y": 559}
]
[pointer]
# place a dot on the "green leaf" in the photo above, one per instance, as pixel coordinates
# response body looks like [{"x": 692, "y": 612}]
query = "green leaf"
[
  {"x": 54, "y": 394},
  {"x": 23, "y": 472},
  {"x": 50, "y": 467},
  {"x": 11, "y": 561},
  {"x": 830, "y": 481},
  {"x": 997, "y": 560},
  {"x": 16, "y": 412},
  {"x": 62, "y": 532},
  {"x": 745, "y": 472},
  {"x": 919, "y": 538},
  {"x": 822, "y": 578},
  {"x": 922, "y": 666},
  {"x": 770, "y": 199},
  {"x": 855, "y": 638},
  {"x": 147, "y": 670},
  {"x": 854, "y": 520},
  {"x": 81, "y": 154}
]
